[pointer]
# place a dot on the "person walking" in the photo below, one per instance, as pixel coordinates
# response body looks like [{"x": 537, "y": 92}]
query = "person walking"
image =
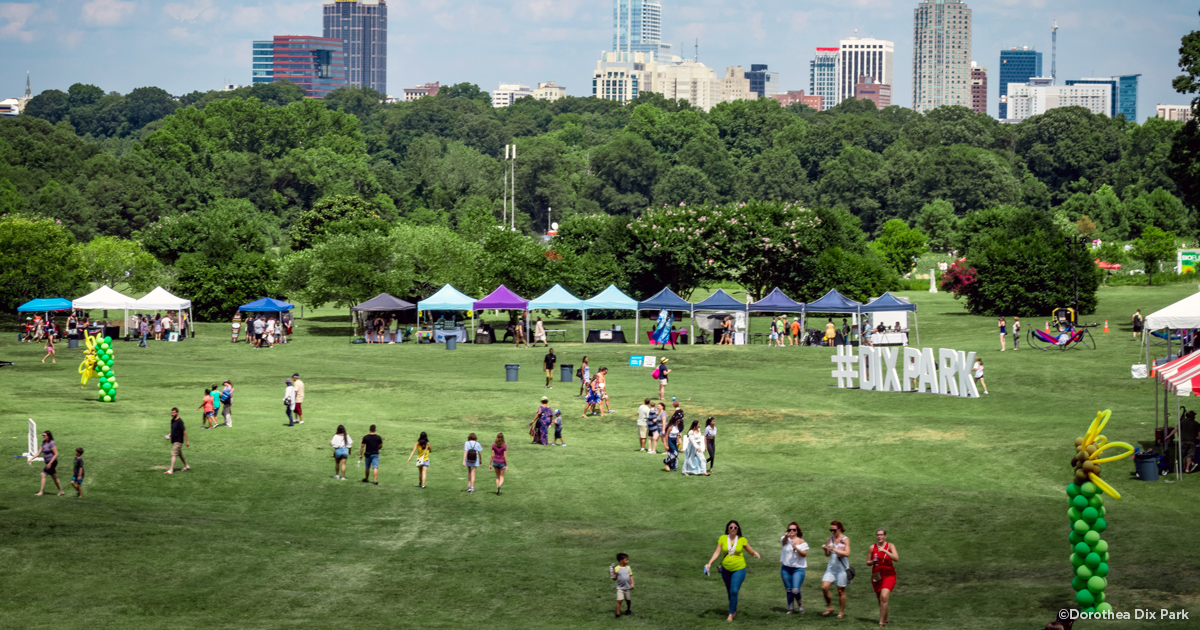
[
  {"x": 556, "y": 422},
  {"x": 289, "y": 400},
  {"x": 622, "y": 574},
  {"x": 421, "y": 449},
  {"x": 602, "y": 384},
  {"x": 144, "y": 331},
  {"x": 693, "y": 451},
  {"x": 539, "y": 426},
  {"x": 1003, "y": 331},
  {"x": 157, "y": 327},
  {"x": 795, "y": 331},
  {"x": 977, "y": 372},
  {"x": 584, "y": 374},
  {"x": 50, "y": 349},
  {"x": 209, "y": 419},
  {"x": 519, "y": 336},
  {"x": 50, "y": 457},
  {"x": 216, "y": 398},
  {"x": 1016, "y": 333},
  {"x": 369, "y": 449},
  {"x": 653, "y": 428},
  {"x": 549, "y": 361},
  {"x": 179, "y": 439},
  {"x": 341, "y": 452},
  {"x": 539, "y": 333},
  {"x": 793, "y": 561},
  {"x": 837, "y": 547},
  {"x": 663, "y": 371},
  {"x": 671, "y": 434},
  {"x": 710, "y": 441},
  {"x": 472, "y": 454},
  {"x": 643, "y": 425},
  {"x": 297, "y": 409},
  {"x": 77, "y": 473},
  {"x": 592, "y": 402},
  {"x": 881, "y": 559},
  {"x": 1137, "y": 324},
  {"x": 499, "y": 460},
  {"x": 733, "y": 565},
  {"x": 226, "y": 397}
]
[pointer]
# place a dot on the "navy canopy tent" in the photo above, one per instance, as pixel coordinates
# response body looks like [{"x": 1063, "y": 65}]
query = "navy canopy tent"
[
  {"x": 888, "y": 302},
  {"x": 663, "y": 299},
  {"x": 722, "y": 301},
  {"x": 776, "y": 302},
  {"x": 44, "y": 305},
  {"x": 834, "y": 302}
]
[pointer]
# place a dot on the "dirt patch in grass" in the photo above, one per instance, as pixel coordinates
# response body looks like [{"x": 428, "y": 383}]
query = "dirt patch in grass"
[{"x": 927, "y": 435}]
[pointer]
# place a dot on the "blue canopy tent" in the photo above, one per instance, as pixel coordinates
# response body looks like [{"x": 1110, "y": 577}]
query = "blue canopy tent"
[
  {"x": 44, "y": 305},
  {"x": 776, "y": 302},
  {"x": 266, "y": 305},
  {"x": 721, "y": 301},
  {"x": 833, "y": 302},
  {"x": 448, "y": 298},
  {"x": 888, "y": 302},
  {"x": 609, "y": 299},
  {"x": 663, "y": 299},
  {"x": 558, "y": 297}
]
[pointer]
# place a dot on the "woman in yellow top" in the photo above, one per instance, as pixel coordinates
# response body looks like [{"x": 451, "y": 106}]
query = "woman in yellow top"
[
  {"x": 733, "y": 567},
  {"x": 830, "y": 332},
  {"x": 421, "y": 450}
]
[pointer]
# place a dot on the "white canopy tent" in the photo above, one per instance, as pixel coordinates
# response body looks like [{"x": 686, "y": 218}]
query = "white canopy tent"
[
  {"x": 162, "y": 300},
  {"x": 105, "y": 298},
  {"x": 1184, "y": 314}
]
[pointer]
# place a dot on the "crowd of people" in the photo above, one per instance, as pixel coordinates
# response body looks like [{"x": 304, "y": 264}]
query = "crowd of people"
[{"x": 262, "y": 330}]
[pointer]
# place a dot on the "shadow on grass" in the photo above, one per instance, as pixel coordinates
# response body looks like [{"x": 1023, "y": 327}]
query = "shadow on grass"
[
  {"x": 329, "y": 331},
  {"x": 337, "y": 319}
]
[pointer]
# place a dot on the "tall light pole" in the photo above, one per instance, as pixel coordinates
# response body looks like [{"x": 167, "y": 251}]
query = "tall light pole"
[
  {"x": 513, "y": 182},
  {"x": 504, "y": 189},
  {"x": 1081, "y": 242}
]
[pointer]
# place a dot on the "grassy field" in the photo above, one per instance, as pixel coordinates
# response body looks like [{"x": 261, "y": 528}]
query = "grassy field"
[{"x": 260, "y": 535}]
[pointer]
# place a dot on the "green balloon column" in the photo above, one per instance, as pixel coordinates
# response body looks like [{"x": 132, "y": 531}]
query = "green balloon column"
[
  {"x": 1089, "y": 557},
  {"x": 106, "y": 380}
]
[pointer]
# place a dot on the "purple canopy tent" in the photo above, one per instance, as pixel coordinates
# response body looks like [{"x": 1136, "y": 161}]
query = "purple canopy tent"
[{"x": 504, "y": 299}]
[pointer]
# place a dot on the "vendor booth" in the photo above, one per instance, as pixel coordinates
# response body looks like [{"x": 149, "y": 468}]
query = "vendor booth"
[
  {"x": 502, "y": 299},
  {"x": 610, "y": 299},
  {"x": 889, "y": 310},
  {"x": 106, "y": 298},
  {"x": 162, "y": 300},
  {"x": 776, "y": 302},
  {"x": 43, "y": 305},
  {"x": 1179, "y": 376},
  {"x": 560, "y": 298},
  {"x": 833, "y": 303},
  {"x": 722, "y": 302},
  {"x": 664, "y": 300},
  {"x": 448, "y": 298},
  {"x": 382, "y": 304},
  {"x": 266, "y": 306}
]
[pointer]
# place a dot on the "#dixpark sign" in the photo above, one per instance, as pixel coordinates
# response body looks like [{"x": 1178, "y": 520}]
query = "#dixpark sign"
[{"x": 906, "y": 370}]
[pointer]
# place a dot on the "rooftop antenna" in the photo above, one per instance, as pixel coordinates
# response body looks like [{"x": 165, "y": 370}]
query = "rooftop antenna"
[
  {"x": 697, "y": 59},
  {"x": 28, "y": 96},
  {"x": 1054, "y": 51}
]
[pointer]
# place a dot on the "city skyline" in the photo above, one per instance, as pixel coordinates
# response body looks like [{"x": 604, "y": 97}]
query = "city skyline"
[{"x": 203, "y": 44}]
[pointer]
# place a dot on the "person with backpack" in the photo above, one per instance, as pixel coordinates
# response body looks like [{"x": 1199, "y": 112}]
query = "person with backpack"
[
  {"x": 837, "y": 547},
  {"x": 660, "y": 373},
  {"x": 472, "y": 453},
  {"x": 227, "y": 403}
]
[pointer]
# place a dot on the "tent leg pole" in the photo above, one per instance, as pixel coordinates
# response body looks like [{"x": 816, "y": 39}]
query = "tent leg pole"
[
  {"x": 584, "y": 331},
  {"x": 917, "y": 325},
  {"x": 1178, "y": 442},
  {"x": 637, "y": 326}
]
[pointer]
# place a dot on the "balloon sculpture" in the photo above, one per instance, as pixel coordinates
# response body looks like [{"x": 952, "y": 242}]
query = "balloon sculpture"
[
  {"x": 1089, "y": 560},
  {"x": 98, "y": 362}
]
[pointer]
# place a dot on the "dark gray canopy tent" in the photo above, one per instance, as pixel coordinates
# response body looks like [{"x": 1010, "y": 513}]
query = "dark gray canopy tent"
[{"x": 382, "y": 303}]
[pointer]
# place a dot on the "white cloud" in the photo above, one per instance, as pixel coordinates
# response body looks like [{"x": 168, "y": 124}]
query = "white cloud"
[
  {"x": 107, "y": 12},
  {"x": 13, "y": 16},
  {"x": 539, "y": 10},
  {"x": 202, "y": 11},
  {"x": 70, "y": 39}
]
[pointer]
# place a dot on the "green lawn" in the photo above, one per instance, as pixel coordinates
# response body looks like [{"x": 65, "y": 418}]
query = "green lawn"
[{"x": 259, "y": 535}]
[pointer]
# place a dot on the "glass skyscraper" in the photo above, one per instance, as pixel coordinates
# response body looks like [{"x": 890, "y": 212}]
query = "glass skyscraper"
[
  {"x": 763, "y": 82},
  {"x": 263, "y": 62},
  {"x": 362, "y": 26},
  {"x": 941, "y": 54},
  {"x": 316, "y": 64},
  {"x": 1124, "y": 93},
  {"x": 1017, "y": 65},
  {"x": 637, "y": 27},
  {"x": 822, "y": 76}
]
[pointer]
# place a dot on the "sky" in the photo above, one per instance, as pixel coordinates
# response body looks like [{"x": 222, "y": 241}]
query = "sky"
[{"x": 187, "y": 45}]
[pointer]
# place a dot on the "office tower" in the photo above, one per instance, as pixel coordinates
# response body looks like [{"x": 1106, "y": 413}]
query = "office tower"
[
  {"x": 941, "y": 54},
  {"x": 637, "y": 27},
  {"x": 858, "y": 58},
  {"x": 1040, "y": 95},
  {"x": 1124, "y": 93},
  {"x": 736, "y": 85},
  {"x": 867, "y": 88},
  {"x": 763, "y": 82},
  {"x": 692, "y": 81},
  {"x": 262, "y": 62},
  {"x": 1182, "y": 113},
  {"x": 822, "y": 76},
  {"x": 621, "y": 76},
  {"x": 316, "y": 64},
  {"x": 1017, "y": 65},
  {"x": 978, "y": 88},
  {"x": 362, "y": 26},
  {"x": 508, "y": 93}
]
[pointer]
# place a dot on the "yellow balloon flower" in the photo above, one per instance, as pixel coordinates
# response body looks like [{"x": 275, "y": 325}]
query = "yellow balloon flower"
[{"x": 1088, "y": 449}]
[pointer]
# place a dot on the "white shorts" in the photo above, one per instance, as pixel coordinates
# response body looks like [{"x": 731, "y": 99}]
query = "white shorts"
[{"x": 662, "y": 381}]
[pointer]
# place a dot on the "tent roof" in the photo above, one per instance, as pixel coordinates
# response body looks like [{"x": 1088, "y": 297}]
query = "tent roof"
[
  {"x": 887, "y": 302},
  {"x": 41, "y": 305},
  {"x": 447, "y": 298},
  {"x": 161, "y": 299},
  {"x": 1182, "y": 314},
  {"x": 612, "y": 298},
  {"x": 104, "y": 297},
  {"x": 1167, "y": 371},
  {"x": 719, "y": 301},
  {"x": 502, "y": 298},
  {"x": 833, "y": 302},
  {"x": 266, "y": 305},
  {"x": 557, "y": 297},
  {"x": 777, "y": 302},
  {"x": 665, "y": 299},
  {"x": 384, "y": 302}
]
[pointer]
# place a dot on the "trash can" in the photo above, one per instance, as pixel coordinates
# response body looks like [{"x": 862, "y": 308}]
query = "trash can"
[
  {"x": 1147, "y": 466},
  {"x": 72, "y": 342},
  {"x": 568, "y": 371},
  {"x": 451, "y": 342},
  {"x": 510, "y": 372}
]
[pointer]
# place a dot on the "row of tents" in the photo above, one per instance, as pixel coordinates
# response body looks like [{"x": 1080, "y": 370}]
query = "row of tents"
[
  {"x": 1179, "y": 376},
  {"x": 449, "y": 298}
]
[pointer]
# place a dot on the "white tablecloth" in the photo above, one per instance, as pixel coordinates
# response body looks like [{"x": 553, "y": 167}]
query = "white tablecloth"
[
  {"x": 439, "y": 336},
  {"x": 889, "y": 338}
]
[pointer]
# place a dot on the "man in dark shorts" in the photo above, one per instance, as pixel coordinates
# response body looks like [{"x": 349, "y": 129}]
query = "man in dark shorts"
[
  {"x": 259, "y": 326},
  {"x": 179, "y": 439},
  {"x": 371, "y": 444},
  {"x": 548, "y": 363}
]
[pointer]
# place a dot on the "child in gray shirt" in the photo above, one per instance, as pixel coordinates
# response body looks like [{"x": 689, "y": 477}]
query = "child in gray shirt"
[{"x": 623, "y": 575}]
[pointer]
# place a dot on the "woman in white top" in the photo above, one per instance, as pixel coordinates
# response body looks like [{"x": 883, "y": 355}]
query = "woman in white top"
[
  {"x": 793, "y": 560},
  {"x": 978, "y": 373},
  {"x": 693, "y": 451},
  {"x": 472, "y": 454},
  {"x": 710, "y": 441},
  {"x": 271, "y": 331},
  {"x": 341, "y": 451},
  {"x": 539, "y": 333},
  {"x": 837, "y": 547}
]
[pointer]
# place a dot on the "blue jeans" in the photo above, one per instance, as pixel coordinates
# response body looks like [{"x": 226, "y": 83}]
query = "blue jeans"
[
  {"x": 793, "y": 578},
  {"x": 142, "y": 343},
  {"x": 733, "y": 584},
  {"x": 288, "y": 409}
]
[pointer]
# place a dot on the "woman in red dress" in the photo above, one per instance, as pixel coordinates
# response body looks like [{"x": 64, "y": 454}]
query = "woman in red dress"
[{"x": 883, "y": 572}]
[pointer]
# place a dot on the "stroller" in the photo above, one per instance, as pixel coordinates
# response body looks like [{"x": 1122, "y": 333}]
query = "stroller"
[{"x": 814, "y": 337}]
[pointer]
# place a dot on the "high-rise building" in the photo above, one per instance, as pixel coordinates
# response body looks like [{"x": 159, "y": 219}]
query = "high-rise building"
[
  {"x": 691, "y": 81},
  {"x": 316, "y": 64},
  {"x": 763, "y": 82},
  {"x": 978, "y": 88},
  {"x": 1182, "y": 113},
  {"x": 822, "y": 76},
  {"x": 621, "y": 76},
  {"x": 792, "y": 97},
  {"x": 868, "y": 89},
  {"x": 637, "y": 27},
  {"x": 508, "y": 93},
  {"x": 1041, "y": 95},
  {"x": 1017, "y": 65},
  {"x": 1124, "y": 93},
  {"x": 858, "y": 58},
  {"x": 941, "y": 54},
  {"x": 362, "y": 26},
  {"x": 736, "y": 85}
]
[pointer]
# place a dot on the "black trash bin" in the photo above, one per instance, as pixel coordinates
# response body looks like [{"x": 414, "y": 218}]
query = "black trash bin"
[
  {"x": 1147, "y": 466},
  {"x": 510, "y": 372},
  {"x": 568, "y": 370}
]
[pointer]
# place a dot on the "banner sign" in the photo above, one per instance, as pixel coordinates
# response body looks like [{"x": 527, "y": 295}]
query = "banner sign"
[{"x": 919, "y": 370}]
